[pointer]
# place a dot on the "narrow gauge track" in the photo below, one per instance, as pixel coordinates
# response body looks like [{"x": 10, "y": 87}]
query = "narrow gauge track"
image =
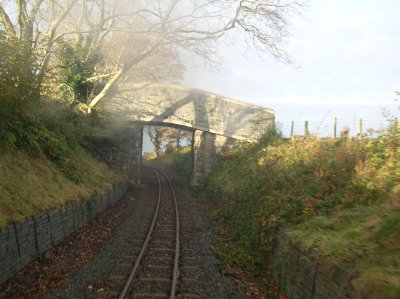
[{"x": 155, "y": 271}]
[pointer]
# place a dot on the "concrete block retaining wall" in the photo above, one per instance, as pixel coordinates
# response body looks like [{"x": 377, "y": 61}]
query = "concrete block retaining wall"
[
  {"x": 21, "y": 242},
  {"x": 301, "y": 274}
]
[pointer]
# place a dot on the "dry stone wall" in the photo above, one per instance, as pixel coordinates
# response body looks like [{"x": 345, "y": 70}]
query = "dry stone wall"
[
  {"x": 21, "y": 242},
  {"x": 302, "y": 274}
]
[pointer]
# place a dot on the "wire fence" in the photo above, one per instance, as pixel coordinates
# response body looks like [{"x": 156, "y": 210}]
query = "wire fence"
[{"x": 335, "y": 127}]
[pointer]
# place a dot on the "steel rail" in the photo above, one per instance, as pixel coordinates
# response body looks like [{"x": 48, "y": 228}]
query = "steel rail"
[
  {"x": 177, "y": 248},
  {"x": 128, "y": 283},
  {"x": 134, "y": 271}
]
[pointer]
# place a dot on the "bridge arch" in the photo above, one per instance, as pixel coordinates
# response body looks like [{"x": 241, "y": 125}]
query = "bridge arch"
[{"x": 217, "y": 121}]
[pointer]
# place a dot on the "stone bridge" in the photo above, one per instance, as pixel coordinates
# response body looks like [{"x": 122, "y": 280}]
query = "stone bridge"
[{"x": 217, "y": 123}]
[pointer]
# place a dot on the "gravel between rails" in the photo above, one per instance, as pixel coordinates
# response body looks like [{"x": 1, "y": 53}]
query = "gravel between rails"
[{"x": 209, "y": 271}]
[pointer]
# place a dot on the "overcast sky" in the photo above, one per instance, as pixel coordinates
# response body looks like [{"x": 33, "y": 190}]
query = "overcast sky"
[{"x": 347, "y": 65}]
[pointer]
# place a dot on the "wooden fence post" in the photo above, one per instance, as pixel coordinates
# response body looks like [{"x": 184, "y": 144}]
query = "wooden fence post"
[
  {"x": 361, "y": 129},
  {"x": 306, "y": 131},
  {"x": 292, "y": 129},
  {"x": 334, "y": 127}
]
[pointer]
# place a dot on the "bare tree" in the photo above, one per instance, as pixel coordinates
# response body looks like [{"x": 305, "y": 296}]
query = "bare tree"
[
  {"x": 30, "y": 27},
  {"x": 193, "y": 25},
  {"x": 196, "y": 26},
  {"x": 164, "y": 64}
]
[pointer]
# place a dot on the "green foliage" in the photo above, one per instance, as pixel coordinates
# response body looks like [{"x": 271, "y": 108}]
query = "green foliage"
[
  {"x": 389, "y": 227},
  {"x": 284, "y": 183},
  {"x": 16, "y": 74},
  {"x": 26, "y": 122},
  {"x": 382, "y": 163},
  {"x": 42, "y": 162},
  {"x": 46, "y": 131},
  {"x": 77, "y": 65},
  {"x": 7, "y": 139},
  {"x": 17, "y": 90},
  {"x": 169, "y": 148},
  {"x": 272, "y": 135},
  {"x": 365, "y": 239},
  {"x": 182, "y": 163}
]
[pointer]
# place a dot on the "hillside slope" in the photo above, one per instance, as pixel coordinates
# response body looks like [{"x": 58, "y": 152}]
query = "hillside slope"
[
  {"x": 340, "y": 197},
  {"x": 44, "y": 162},
  {"x": 29, "y": 184}
]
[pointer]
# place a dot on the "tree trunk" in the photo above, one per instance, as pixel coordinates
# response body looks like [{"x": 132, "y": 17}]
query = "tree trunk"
[
  {"x": 119, "y": 73},
  {"x": 105, "y": 90}
]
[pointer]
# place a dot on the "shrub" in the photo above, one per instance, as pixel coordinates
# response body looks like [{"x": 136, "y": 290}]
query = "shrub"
[
  {"x": 182, "y": 163},
  {"x": 77, "y": 66},
  {"x": 16, "y": 74}
]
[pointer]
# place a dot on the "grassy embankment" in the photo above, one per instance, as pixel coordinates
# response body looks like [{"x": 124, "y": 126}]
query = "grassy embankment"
[
  {"x": 340, "y": 197},
  {"x": 43, "y": 162}
]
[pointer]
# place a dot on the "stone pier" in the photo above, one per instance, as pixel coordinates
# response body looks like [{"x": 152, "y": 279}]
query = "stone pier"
[{"x": 207, "y": 151}]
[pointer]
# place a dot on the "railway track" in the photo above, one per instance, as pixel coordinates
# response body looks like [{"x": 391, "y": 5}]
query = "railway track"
[
  {"x": 171, "y": 261},
  {"x": 155, "y": 271},
  {"x": 156, "y": 266}
]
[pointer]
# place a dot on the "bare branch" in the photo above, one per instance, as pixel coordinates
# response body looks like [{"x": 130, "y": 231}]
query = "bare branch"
[
  {"x": 120, "y": 72},
  {"x": 5, "y": 20},
  {"x": 144, "y": 29},
  {"x": 98, "y": 77},
  {"x": 50, "y": 36}
]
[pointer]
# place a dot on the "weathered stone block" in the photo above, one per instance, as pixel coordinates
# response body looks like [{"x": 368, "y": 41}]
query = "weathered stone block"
[
  {"x": 43, "y": 232},
  {"x": 299, "y": 276}
]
